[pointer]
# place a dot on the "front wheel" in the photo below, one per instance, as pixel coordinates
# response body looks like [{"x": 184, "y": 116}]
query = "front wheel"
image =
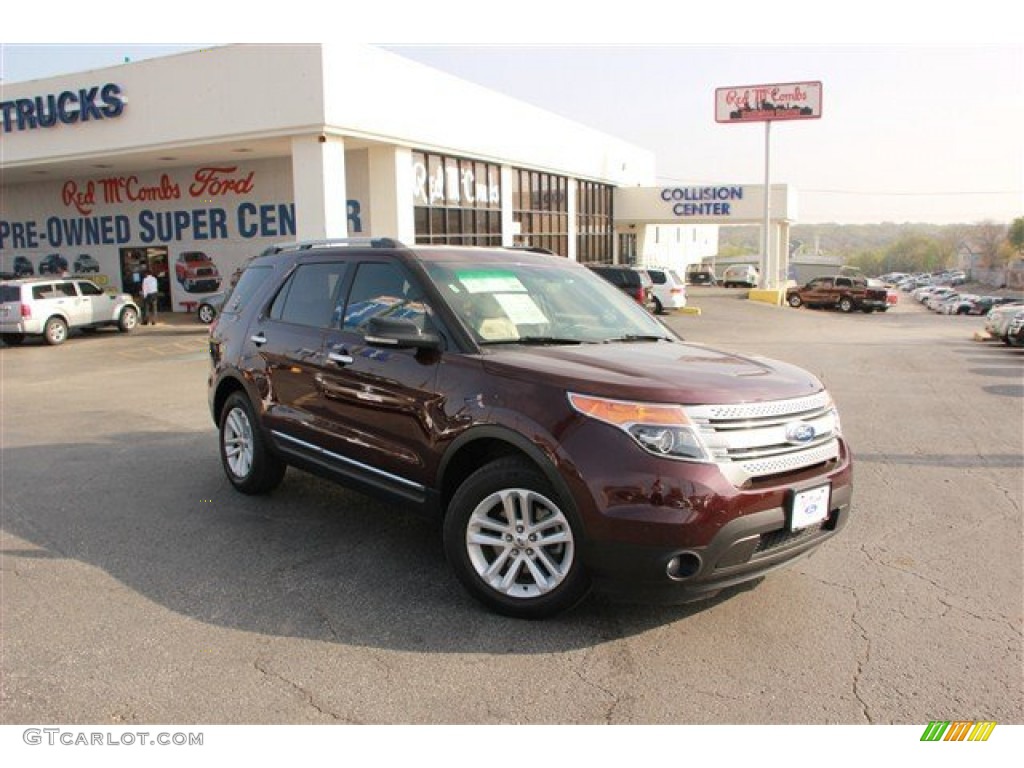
[
  {"x": 845, "y": 305},
  {"x": 128, "y": 320},
  {"x": 512, "y": 543},
  {"x": 206, "y": 313},
  {"x": 795, "y": 300},
  {"x": 247, "y": 461}
]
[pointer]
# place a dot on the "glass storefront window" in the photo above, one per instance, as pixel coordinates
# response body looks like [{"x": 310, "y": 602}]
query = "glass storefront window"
[{"x": 457, "y": 201}]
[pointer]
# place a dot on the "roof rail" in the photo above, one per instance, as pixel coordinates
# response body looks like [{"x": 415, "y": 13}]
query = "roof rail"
[{"x": 305, "y": 245}]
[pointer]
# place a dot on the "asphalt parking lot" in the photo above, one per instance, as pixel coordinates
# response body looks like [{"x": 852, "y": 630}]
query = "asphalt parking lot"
[{"x": 138, "y": 587}]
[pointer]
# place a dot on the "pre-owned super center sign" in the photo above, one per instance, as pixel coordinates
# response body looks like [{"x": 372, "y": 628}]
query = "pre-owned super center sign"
[{"x": 759, "y": 103}]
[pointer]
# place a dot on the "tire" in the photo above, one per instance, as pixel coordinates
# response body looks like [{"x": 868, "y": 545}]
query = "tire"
[
  {"x": 527, "y": 568},
  {"x": 247, "y": 461},
  {"x": 13, "y": 339},
  {"x": 206, "y": 314},
  {"x": 128, "y": 321},
  {"x": 795, "y": 301},
  {"x": 845, "y": 305},
  {"x": 55, "y": 331},
  {"x": 658, "y": 309}
]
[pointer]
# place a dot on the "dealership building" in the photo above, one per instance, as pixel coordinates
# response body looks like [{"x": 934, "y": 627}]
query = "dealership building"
[{"x": 187, "y": 165}]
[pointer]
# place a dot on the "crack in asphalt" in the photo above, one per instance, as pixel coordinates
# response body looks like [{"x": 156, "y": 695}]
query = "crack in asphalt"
[
  {"x": 307, "y": 696},
  {"x": 863, "y": 660}
]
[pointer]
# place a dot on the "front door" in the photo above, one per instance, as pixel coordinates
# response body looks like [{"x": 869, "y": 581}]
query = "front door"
[{"x": 379, "y": 401}]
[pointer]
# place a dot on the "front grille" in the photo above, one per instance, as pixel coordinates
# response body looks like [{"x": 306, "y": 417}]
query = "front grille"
[{"x": 749, "y": 441}]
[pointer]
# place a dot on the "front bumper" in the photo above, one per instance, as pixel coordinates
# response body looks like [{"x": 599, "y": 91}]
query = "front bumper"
[
  {"x": 671, "y": 532},
  {"x": 746, "y": 548}
]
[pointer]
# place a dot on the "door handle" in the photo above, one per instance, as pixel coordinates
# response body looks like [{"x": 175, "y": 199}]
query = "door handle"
[
  {"x": 259, "y": 339},
  {"x": 339, "y": 358}
]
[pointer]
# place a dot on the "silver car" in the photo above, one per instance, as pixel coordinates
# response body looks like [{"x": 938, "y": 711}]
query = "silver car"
[
  {"x": 51, "y": 307},
  {"x": 997, "y": 321}
]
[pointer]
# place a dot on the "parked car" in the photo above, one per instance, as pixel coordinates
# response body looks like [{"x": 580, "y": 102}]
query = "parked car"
[
  {"x": 53, "y": 264},
  {"x": 740, "y": 276},
  {"x": 196, "y": 272},
  {"x": 209, "y": 307},
  {"x": 86, "y": 263},
  {"x": 51, "y": 308},
  {"x": 700, "y": 274},
  {"x": 839, "y": 292},
  {"x": 632, "y": 281},
  {"x": 1015, "y": 331},
  {"x": 981, "y": 305},
  {"x": 548, "y": 421},
  {"x": 668, "y": 287},
  {"x": 997, "y": 321}
]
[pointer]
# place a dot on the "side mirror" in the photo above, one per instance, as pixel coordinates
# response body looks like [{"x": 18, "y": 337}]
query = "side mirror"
[{"x": 399, "y": 333}]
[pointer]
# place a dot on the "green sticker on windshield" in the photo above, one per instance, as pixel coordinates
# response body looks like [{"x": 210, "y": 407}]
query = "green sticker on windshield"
[{"x": 490, "y": 281}]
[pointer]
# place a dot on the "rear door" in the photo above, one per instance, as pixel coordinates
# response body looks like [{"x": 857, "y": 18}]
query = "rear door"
[{"x": 287, "y": 341}]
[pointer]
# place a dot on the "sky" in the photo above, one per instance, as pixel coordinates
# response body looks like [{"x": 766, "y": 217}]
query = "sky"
[{"x": 922, "y": 118}]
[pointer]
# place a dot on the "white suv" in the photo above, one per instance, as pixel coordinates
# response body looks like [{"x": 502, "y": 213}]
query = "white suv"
[
  {"x": 51, "y": 307},
  {"x": 669, "y": 289},
  {"x": 740, "y": 276}
]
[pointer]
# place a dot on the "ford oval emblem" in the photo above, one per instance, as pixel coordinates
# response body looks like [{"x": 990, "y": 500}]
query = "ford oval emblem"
[{"x": 799, "y": 433}]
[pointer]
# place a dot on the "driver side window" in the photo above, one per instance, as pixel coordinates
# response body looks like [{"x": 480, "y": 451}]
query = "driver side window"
[{"x": 381, "y": 290}]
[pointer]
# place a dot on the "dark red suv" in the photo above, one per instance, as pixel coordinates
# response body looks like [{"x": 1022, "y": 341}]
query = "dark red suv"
[{"x": 565, "y": 437}]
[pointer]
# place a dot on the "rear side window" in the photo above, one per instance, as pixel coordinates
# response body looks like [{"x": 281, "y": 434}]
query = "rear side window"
[
  {"x": 657, "y": 276},
  {"x": 308, "y": 297},
  {"x": 45, "y": 291},
  {"x": 9, "y": 293},
  {"x": 66, "y": 289}
]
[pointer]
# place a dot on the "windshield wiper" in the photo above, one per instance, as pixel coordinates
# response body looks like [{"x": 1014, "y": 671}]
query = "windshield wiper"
[
  {"x": 637, "y": 337},
  {"x": 537, "y": 340}
]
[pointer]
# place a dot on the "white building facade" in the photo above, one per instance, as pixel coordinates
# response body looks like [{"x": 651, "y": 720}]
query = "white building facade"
[{"x": 188, "y": 165}]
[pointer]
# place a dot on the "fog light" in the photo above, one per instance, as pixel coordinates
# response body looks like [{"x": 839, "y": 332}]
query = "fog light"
[{"x": 683, "y": 566}]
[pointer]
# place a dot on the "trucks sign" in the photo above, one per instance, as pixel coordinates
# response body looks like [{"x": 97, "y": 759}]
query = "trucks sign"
[{"x": 761, "y": 103}]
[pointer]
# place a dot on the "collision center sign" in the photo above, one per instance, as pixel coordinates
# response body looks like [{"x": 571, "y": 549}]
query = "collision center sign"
[{"x": 760, "y": 103}]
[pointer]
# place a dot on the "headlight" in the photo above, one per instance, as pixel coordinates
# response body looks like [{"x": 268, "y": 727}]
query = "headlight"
[{"x": 658, "y": 428}]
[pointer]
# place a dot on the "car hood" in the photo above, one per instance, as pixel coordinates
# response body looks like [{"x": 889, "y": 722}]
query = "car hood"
[{"x": 659, "y": 371}]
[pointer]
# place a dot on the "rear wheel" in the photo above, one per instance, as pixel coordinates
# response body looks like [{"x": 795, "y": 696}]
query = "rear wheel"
[
  {"x": 247, "y": 461},
  {"x": 206, "y": 313},
  {"x": 512, "y": 543},
  {"x": 55, "y": 331},
  {"x": 845, "y": 305},
  {"x": 658, "y": 309}
]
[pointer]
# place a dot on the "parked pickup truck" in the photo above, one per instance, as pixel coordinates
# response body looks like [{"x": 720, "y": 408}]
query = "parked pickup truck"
[{"x": 841, "y": 292}]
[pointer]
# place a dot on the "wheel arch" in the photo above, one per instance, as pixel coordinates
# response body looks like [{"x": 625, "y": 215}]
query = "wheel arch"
[{"x": 482, "y": 445}]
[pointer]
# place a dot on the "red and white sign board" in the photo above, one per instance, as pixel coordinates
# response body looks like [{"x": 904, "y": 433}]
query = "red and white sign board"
[{"x": 760, "y": 103}]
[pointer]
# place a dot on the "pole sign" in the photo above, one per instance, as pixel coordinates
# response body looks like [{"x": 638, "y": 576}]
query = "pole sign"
[{"x": 764, "y": 103}]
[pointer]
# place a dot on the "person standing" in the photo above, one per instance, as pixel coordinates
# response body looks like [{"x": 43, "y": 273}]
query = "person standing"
[{"x": 149, "y": 298}]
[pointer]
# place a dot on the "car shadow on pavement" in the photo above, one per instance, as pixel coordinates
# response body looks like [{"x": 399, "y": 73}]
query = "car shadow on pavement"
[{"x": 312, "y": 560}]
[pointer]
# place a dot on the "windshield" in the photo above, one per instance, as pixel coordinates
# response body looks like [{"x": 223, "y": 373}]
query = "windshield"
[{"x": 555, "y": 303}]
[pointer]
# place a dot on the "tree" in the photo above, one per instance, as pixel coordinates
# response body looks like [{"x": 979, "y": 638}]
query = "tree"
[
  {"x": 1016, "y": 236},
  {"x": 989, "y": 239}
]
